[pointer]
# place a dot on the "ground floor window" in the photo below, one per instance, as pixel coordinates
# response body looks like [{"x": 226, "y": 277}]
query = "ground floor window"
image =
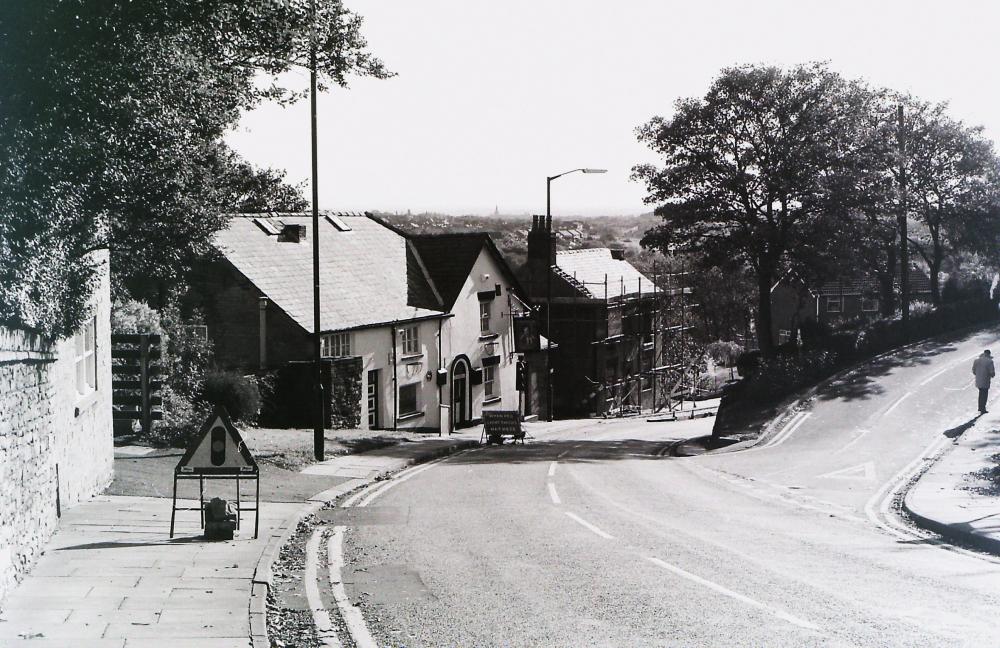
[
  {"x": 490, "y": 384},
  {"x": 869, "y": 305},
  {"x": 409, "y": 399},
  {"x": 833, "y": 305}
]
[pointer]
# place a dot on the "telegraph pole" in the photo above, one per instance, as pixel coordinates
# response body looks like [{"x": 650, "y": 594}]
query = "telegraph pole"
[
  {"x": 904, "y": 257},
  {"x": 318, "y": 441}
]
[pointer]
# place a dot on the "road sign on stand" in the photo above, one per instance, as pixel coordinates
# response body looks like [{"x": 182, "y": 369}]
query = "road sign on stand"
[{"x": 217, "y": 452}]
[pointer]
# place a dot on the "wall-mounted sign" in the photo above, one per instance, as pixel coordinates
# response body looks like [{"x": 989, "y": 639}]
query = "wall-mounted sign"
[{"x": 526, "y": 337}]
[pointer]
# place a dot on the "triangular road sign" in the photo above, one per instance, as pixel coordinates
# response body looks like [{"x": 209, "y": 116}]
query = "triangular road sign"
[
  {"x": 861, "y": 471},
  {"x": 218, "y": 449}
]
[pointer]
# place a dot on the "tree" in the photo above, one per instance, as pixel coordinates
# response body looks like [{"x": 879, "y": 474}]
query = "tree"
[
  {"x": 953, "y": 187},
  {"x": 751, "y": 172},
  {"x": 111, "y": 125}
]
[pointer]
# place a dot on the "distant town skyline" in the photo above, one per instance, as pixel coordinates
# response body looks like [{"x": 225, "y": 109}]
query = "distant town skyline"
[{"x": 490, "y": 98}]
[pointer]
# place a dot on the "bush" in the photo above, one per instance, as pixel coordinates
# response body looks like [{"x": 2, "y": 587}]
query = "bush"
[
  {"x": 182, "y": 419},
  {"x": 724, "y": 354},
  {"x": 774, "y": 378},
  {"x": 239, "y": 394}
]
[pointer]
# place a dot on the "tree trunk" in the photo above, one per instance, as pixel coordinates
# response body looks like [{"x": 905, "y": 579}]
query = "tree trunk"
[
  {"x": 887, "y": 281},
  {"x": 935, "y": 272},
  {"x": 764, "y": 339}
]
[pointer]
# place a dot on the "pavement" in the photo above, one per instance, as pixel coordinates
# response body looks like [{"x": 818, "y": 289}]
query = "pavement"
[
  {"x": 953, "y": 498},
  {"x": 111, "y": 576}
]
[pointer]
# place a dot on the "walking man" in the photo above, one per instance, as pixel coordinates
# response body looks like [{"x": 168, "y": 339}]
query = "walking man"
[{"x": 983, "y": 370}]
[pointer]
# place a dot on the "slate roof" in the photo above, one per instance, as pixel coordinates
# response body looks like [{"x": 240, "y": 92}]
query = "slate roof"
[
  {"x": 587, "y": 269},
  {"x": 919, "y": 282},
  {"x": 365, "y": 279},
  {"x": 449, "y": 259}
]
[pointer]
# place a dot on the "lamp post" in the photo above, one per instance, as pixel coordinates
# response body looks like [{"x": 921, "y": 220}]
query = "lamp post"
[
  {"x": 548, "y": 290},
  {"x": 318, "y": 426}
]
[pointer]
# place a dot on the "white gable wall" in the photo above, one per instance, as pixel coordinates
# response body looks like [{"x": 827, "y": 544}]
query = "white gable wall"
[{"x": 462, "y": 334}]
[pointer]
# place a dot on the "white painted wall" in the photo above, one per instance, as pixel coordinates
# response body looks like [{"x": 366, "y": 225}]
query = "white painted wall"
[
  {"x": 374, "y": 345},
  {"x": 462, "y": 334}
]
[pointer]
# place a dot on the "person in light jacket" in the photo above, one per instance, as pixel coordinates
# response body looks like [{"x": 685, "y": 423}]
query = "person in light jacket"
[{"x": 983, "y": 370}]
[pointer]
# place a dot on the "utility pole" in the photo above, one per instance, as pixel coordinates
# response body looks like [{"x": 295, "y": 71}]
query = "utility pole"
[
  {"x": 318, "y": 424},
  {"x": 904, "y": 257}
]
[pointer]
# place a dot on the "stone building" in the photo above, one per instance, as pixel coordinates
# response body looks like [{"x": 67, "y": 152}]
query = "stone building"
[{"x": 56, "y": 446}]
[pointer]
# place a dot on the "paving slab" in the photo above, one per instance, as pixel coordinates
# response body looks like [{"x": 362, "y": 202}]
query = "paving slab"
[
  {"x": 112, "y": 576},
  {"x": 951, "y": 499}
]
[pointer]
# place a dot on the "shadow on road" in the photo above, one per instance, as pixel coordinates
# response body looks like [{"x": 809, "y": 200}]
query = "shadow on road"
[
  {"x": 958, "y": 430},
  {"x": 865, "y": 381},
  {"x": 568, "y": 451}
]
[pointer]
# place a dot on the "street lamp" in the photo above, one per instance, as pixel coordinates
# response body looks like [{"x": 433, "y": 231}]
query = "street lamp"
[{"x": 548, "y": 290}]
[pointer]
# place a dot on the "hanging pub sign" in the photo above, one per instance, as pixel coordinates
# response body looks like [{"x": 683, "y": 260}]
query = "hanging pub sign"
[
  {"x": 526, "y": 336},
  {"x": 217, "y": 452}
]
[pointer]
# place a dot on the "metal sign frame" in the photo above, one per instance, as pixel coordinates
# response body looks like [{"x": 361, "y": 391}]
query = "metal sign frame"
[{"x": 238, "y": 473}]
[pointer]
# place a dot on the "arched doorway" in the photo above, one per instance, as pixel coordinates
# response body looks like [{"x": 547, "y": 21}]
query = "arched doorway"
[{"x": 461, "y": 401}]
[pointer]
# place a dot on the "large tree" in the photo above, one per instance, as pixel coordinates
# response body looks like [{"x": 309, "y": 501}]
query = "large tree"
[
  {"x": 953, "y": 189},
  {"x": 111, "y": 126},
  {"x": 751, "y": 172}
]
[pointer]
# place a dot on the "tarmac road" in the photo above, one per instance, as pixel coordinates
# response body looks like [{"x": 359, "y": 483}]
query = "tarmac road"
[{"x": 587, "y": 537}]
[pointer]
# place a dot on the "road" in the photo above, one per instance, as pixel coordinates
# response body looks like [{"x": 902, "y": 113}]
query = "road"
[{"x": 587, "y": 537}]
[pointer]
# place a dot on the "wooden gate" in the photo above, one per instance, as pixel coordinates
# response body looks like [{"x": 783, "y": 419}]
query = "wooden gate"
[{"x": 136, "y": 378}]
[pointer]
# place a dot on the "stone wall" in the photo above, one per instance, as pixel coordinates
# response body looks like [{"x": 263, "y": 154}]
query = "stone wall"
[{"x": 56, "y": 446}]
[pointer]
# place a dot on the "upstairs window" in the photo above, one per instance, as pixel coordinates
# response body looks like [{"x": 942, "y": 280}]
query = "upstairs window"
[
  {"x": 484, "y": 317},
  {"x": 410, "y": 340},
  {"x": 335, "y": 345},
  {"x": 85, "y": 358}
]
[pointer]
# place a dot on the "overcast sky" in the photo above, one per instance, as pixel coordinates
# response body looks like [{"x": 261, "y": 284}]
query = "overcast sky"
[{"x": 492, "y": 96}]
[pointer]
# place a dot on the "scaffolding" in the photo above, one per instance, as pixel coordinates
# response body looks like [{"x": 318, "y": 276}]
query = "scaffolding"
[{"x": 646, "y": 359}]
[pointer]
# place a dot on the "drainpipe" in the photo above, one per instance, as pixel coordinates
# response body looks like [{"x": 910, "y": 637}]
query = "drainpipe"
[
  {"x": 262, "y": 329},
  {"x": 395, "y": 386},
  {"x": 440, "y": 366}
]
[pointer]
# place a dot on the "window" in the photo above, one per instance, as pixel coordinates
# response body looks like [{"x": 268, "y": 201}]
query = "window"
[
  {"x": 490, "y": 384},
  {"x": 869, "y": 305},
  {"x": 85, "y": 358},
  {"x": 484, "y": 316},
  {"x": 411, "y": 343},
  {"x": 833, "y": 304},
  {"x": 409, "y": 401},
  {"x": 335, "y": 345}
]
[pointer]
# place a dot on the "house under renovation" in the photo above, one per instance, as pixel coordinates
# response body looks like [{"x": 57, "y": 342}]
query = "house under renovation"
[{"x": 621, "y": 335}]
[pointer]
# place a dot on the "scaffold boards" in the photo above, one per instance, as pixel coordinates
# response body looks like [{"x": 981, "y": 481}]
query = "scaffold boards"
[{"x": 217, "y": 452}]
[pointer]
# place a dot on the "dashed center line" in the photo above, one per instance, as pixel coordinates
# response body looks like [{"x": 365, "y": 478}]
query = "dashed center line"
[
  {"x": 781, "y": 614},
  {"x": 576, "y": 518},
  {"x": 552, "y": 469},
  {"x": 553, "y": 495},
  {"x": 897, "y": 403}
]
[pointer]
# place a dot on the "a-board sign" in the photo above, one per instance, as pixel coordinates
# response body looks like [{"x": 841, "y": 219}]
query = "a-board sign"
[{"x": 218, "y": 449}]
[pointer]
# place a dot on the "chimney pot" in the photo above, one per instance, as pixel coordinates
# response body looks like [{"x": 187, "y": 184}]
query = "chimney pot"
[{"x": 618, "y": 253}]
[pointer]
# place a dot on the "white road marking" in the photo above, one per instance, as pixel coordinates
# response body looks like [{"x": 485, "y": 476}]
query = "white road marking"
[
  {"x": 589, "y": 526},
  {"x": 553, "y": 495},
  {"x": 552, "y": 469},
  {"x": 861, "y": 471},
  {"x": 349, "y": 612},
  {"x": 321, "y": 618},
  {"x": 785, "y": 433},
  {"x": 936, "y": 374},
  {"x": 897, "y": 403},
  {"x": 781, "y": 614},
  {"x": 853, "y": 441}
]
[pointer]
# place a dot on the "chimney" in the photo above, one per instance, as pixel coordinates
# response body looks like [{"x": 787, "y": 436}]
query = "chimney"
[
  {"x": 541, "y": 254},
  {"x": 292, "y": 233},
  {"x": 618, "y": 254}
]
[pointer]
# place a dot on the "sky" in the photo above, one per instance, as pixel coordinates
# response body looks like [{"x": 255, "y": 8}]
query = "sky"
[{"x": 492, "y": 96}]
